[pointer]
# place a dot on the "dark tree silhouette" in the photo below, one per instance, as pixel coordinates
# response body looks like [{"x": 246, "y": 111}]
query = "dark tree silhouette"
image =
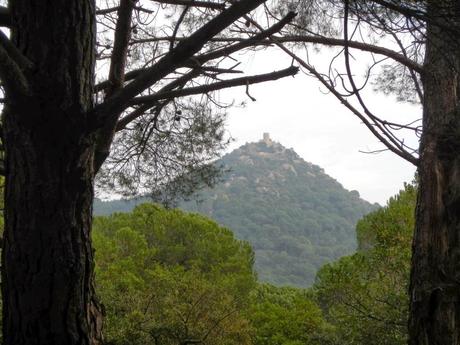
[{"x": 59, "y": 127}]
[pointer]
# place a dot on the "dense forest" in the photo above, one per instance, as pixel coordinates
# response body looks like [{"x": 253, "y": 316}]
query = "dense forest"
[
  {"x": 170, "y": 277},
  {"x": 295, "y": 216}
]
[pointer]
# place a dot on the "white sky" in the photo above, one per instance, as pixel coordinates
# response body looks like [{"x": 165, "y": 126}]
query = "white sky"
[{"x": 322, "y": 131}]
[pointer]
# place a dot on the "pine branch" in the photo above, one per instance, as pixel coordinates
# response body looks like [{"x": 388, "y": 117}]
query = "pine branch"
[
  {"x": 105, "y": 11},
  {"x": 328, "y": 41},
  {"x": 243, "y": 81},
  {"x": 175, "y": 84},
  {"x": 194, "y": 3},
  {"x": 400, "y": 151},
  {"x": 226, "y": 51},
  {"x": 174, "y": 59},
  {"x": 116, "y": 76},
  {"x": 355, "y": 45},
  {"x": 148, "y": 102},
  {"x": 120, "y": 46}
]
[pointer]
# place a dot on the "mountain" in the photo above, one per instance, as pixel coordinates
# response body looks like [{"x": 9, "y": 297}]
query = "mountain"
[{"x": 295, "y": 216}]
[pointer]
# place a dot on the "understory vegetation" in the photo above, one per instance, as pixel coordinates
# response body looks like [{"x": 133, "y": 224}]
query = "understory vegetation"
[{"x": 170, "y": 277}]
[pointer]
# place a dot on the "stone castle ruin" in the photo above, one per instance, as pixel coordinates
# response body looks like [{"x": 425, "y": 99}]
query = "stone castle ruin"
[{"x": 266, "y": 139}]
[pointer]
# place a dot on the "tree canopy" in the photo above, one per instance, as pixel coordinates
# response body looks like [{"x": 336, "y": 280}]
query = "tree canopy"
[
  {"x": 365, "y": 295},
  {"x": 169, "y": 277},
  {"x": 166, "y": 277}
]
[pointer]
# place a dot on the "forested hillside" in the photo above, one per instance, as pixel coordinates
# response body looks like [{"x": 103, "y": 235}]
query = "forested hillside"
[{"x": 295, "y": 216}]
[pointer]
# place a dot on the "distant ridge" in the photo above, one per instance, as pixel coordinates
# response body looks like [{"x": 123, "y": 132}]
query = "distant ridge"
[{"x": 296, "y": 217}]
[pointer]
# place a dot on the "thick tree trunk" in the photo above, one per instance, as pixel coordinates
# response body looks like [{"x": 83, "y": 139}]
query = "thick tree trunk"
[
  {"x": 47, "y": 258},
  {"x": 435, "y": 276}
]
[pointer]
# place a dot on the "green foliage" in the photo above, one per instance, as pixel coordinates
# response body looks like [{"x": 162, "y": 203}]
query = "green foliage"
[
  {"x": 287, "y": 316},
  {"x": 167, "y": 277},
  {"x": 365, "y": 295},
  {"x": 391, "y": 226},
  {"x": 170, "y": 158}
]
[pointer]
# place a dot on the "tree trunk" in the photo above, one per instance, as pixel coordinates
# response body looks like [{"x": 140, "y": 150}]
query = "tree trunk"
[
  {"x": 47, "y": 258},
  {"x": 435, "y": 276}
]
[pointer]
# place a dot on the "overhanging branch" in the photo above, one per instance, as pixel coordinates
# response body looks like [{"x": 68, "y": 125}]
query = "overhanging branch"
[
  {"x": 105, "y": 11},
  {"x": 177, "y": 83},
  {"x": 199, "y": 60},
  {"x": 174, "y": 59},
  {"x": 328, "y": 41},
  {"x": 149, "y": 101},
  {"x": 104, "y": 150},
  {"x": 355, "y": 45},
  {"x": 194, "y": 3},
  {"x": 248, "y": 80},
  {"x": 400, "y": 151}
]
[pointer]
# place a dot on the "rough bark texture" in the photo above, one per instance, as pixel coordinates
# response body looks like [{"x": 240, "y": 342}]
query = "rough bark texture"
[
  {"x": 435, "y": 276},
  {"x": 47, "y": 258}
]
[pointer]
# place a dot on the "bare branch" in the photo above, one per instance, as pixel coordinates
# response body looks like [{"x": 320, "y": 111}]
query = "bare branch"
[
  {"x": 120, "y": 46},
  {"x": 128, "y": 76},
  {"x": 151, "y": 101},
  {"x": 217, "y": 70},
  {"x": 203, "y": 58},
  {"x": 193, "y": 3},
  {"x": 415, "y": 78},
  {"x": 115, "y": 9},
  {"x": 178, "y": 24},
  {"x": 243, "y": 43},
  {"x": 174, "y": 59},
  {"x": 401, "y": 58},
  {"x": 396, "y": 149},
  {"x": 387, "y": 138},
  {"x": 243, "y": 81},
  {"x": 116, "y": 76},
  {"x": 177, "y": 83}
]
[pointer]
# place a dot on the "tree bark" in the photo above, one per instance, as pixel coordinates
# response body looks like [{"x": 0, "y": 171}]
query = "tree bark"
[
  {"x": 47, "y": 257},
  {"x": 435, "y": 275}
]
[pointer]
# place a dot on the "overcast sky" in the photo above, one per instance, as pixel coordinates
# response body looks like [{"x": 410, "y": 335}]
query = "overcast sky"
[{"x": 322, "y": 131}]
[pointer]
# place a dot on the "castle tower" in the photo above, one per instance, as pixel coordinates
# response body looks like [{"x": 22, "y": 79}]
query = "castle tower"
[{"x": 266, "y": 139}]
